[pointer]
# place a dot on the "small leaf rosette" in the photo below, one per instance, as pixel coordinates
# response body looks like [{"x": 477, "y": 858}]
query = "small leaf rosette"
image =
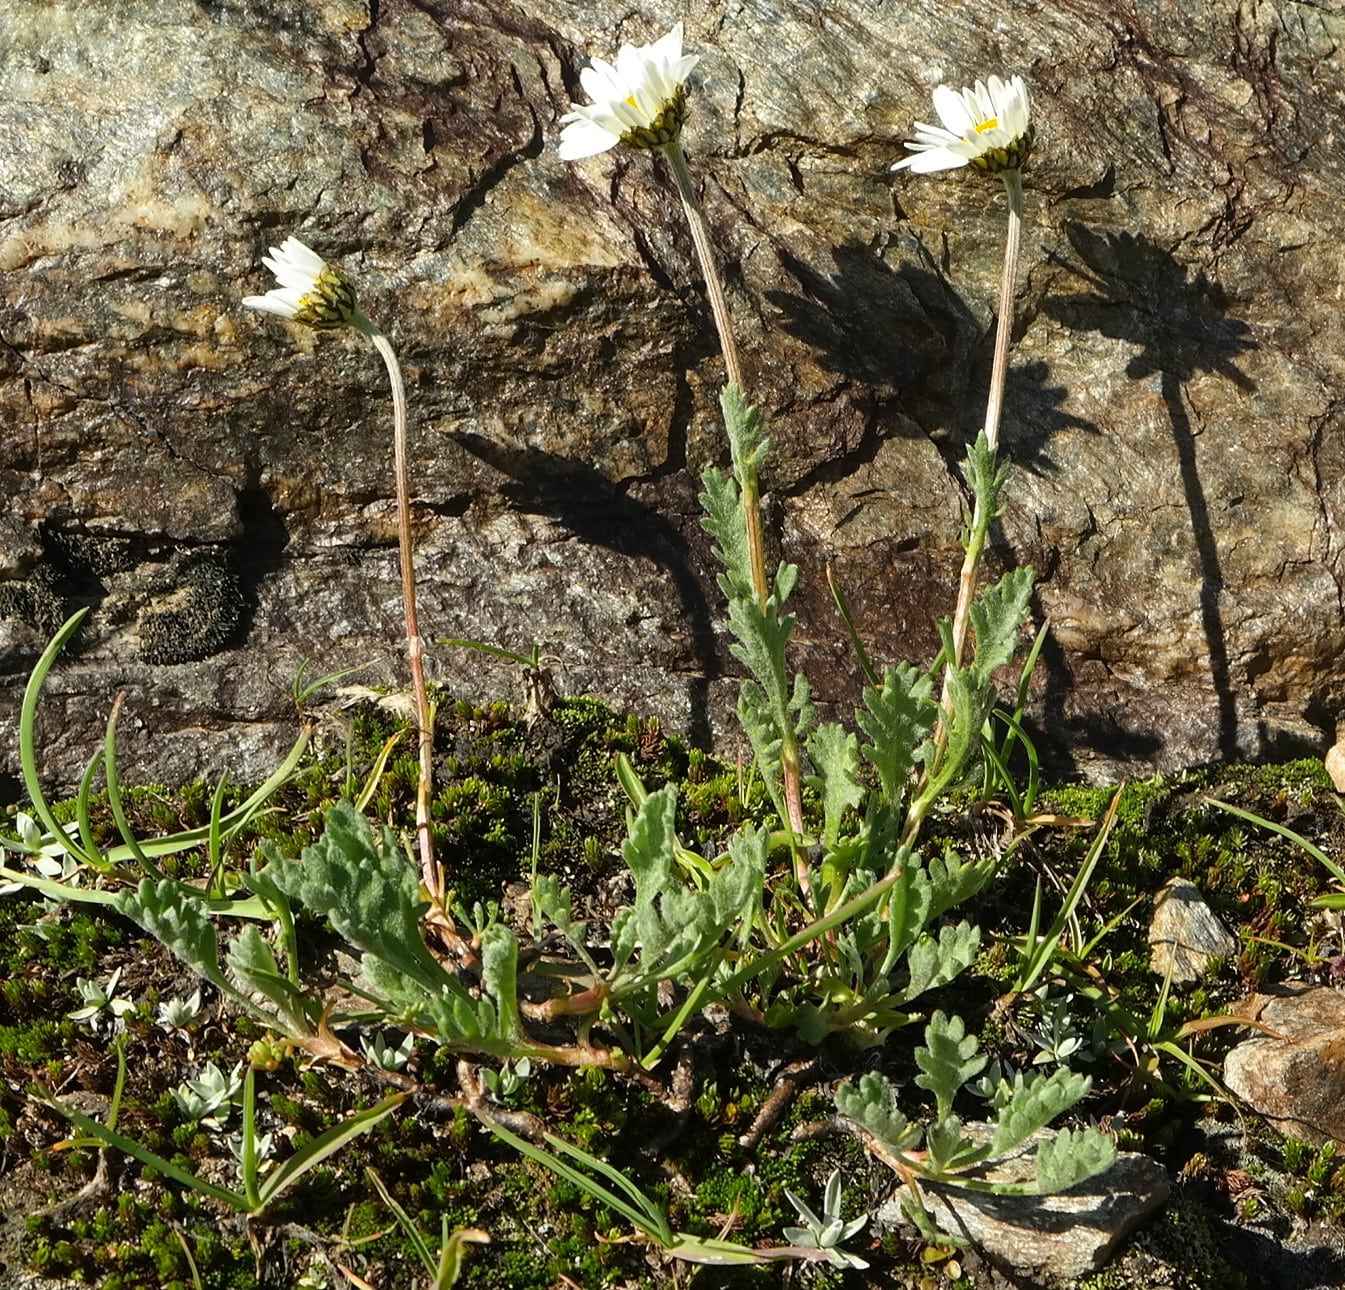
[
  {"x": 640, "y": 100},
  {"x": 988, "y": 126},
  {"x": 311, "y": 291}
]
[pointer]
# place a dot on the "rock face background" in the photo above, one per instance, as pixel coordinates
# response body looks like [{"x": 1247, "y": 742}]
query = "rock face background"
[{"x": 217, "y": 485}]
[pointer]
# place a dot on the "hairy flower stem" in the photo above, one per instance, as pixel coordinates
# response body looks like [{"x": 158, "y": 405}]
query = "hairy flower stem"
[
  {"x": 415, "y": 649},
  {"x": 714, "y": 288},
  {"x": 700, "y": 236},
  {"x": 982, "y": 509},
  {"x": 985, "y": 501},
  {"x": 790, "y": 762},
  {"x": 999, "y": 364}
]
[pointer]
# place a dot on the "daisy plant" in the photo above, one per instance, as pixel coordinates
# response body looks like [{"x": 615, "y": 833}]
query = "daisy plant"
[
  {"x": 989, "y": 128},
  {"x": 321, "y": 295},
  {"x": 641, "y": 101}
]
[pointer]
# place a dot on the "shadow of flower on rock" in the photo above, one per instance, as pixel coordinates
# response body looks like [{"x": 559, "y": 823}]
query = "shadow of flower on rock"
[
  {"x": 905, "y": 329},
  {"x": 598, "y": 512},
  {"x": 867, "y": 320},
  {"x": 1034, "y": 414},
  {"x": 1140, "y": 294}
]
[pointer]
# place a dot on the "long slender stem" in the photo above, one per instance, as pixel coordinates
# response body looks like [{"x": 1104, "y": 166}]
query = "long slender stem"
[
  {"x": 415, "y": 649},
  {"x": 790, "y": 761},
  {"x": 714, "y": 288},
  {"x": 999, "y": 367},
  {"x": 700, "y": 236},
  {"x": 983, "y": 505},
  {"x": 999, "y": 364}
]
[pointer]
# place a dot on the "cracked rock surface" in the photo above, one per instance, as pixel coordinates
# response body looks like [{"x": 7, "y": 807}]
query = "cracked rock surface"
[{"x": 217, "y": 485}]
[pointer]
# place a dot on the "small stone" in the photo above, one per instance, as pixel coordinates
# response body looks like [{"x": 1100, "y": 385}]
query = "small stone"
[
  {"x": 1186, "y": 935},
  {"x": 1334, "y": 761},
  {"x": 1047, "y": 1240},
  {"x": 1294, "y": 1074}
]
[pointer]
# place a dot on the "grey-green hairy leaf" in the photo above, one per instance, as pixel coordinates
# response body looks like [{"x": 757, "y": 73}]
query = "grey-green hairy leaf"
[
  {"x": 723, "y": 520},
  {"x": 1034, "y": 1102},
  {"x": 675, "y": 924},
  {"x": 252, "y": 961},
  {"x": 869, "y": 1103},
  {"x": 368, "y": 889},
  {"x": 997, "y": 617},
  {"x": 949, "y": 1147},
  {"x": 1071, "y": 1156},
  {"x": 179, "y": 921},
  {"x": 896, "y": 718},
  {"x": 746, "y": 430},
  {"x": 934, "y": 961},
  {"x": 835, "y": 753},
  {"x": 953, "y": 880},
  {"x": 947, "y": 1061}
]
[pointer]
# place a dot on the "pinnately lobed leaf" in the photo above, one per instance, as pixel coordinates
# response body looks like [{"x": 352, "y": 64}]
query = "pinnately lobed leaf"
[
  {"x": 1035, "y": 1101},
  {"x": 896, "y": 717},
  {"x": 936, "y": 961},
  {"x": 835, "y": 753},
  {"x": 948, "y": 1060},
  {"x": 179, "y": 921},
  {"x": 997, "y": 616},
  {"x": 368, "y": 889},
  {"x": 1071, "y": 1156},
  {"x": 869, "y": 1103}
]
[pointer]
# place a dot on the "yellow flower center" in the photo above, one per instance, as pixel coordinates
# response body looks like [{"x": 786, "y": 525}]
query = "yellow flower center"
[{"x": 990, "y": 123}]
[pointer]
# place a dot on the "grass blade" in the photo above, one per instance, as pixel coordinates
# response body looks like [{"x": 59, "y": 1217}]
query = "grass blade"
[
  {"x": 640, "y": 1218},
  {"x": 324, "y": 1145},
  {"x": 84, "y": 817},
  {"x": 412, "y": 1233},
  {"x": 28, "y": 742},
  {"x": 128, "y": 1146},
  {"x": 1288, "y": 834},
  {"x": 114, "y": 792}
]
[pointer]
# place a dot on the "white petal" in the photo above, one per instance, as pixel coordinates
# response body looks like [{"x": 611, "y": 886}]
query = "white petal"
[
  {"x": 273, "y": 302},
  {"x": 302, "y": 256},
  {"x": 980, "y": 102},
  {"x": 630, "y": 66},
  {"x": 294, "y": 264},
  {"x": 931, "y": 161},
  {"x": 1015, "y": 112},
  {"x": 668, "y": 47},
  {"x": 934, "y": 136},
  {"x": 602, "y": 81},
  {"x": 953, "y": 111},
  {"x": 584, "y": 138}
]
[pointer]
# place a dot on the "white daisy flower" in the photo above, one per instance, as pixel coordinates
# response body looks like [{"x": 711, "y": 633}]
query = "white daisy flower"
[
  {"x": 986, "y": 126},
  {"x": 640, "y": 101},
  {"x": 311, "y": 291}
]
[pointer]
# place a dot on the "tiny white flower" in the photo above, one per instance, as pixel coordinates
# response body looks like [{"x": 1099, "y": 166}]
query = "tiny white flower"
[
  {"x": 641, "y": 100},
  {"x": 311, "y": 291},
  {"x": 987, "y": 126}
]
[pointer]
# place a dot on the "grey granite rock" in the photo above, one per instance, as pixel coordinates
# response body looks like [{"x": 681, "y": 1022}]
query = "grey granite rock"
[
  {"x": 1048, "y": 1240},
  {"x": 1185, "y": 934},
  {"x": 1294, "y": 1074},
  {"x": 1173, "y": 403}
]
